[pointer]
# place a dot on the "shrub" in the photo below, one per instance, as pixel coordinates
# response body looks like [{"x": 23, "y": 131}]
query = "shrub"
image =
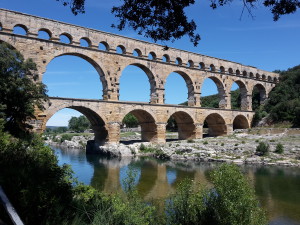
[
  {"x": 142, "y": 147},
  {"x": 222, "y": 144},
  {"x": 231, "y": 201},
  {"x": 205, "y": 142},
  {"x": 262, "y": 148},
  {"x": 279, "y": 148},
  {"x": 190, "y": 141}
]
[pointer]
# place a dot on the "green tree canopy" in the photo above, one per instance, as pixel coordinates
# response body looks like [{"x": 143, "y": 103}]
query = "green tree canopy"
[
  {"x": 284, "y": 99},
  {"x": 130, "y": 120},
  {"x": 166, "y": 20},
  {"x": 79, "y": 124},
  {"x": 19, "y": 93}
]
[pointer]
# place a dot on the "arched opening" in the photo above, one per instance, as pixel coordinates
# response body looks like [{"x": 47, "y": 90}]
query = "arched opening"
[
  {"x": 65, "y": 38},
  {"x": 222, "y": 69},
  {"x": 214, "y": 125},
  {"x": 137, "y": 53},
  {"x": 176, "y": 84},
  {"x": 20, "y": 29},
  {"x": 202, "y": 66},
  {"x": 240, "y": 122},
  {"x": 230, "y": 71},
  {"x": 182, "y": 123},
  {"x": 263, "y": 77},
  {"x": 237, "y": 72},
  {"x": 166, "y": 58},
  {"x": 152, "y": 56},
  {"x": 121, "y": 49},
  {"x": 85, "y": 42},
  {"x": 147, "y": 125},
  {"x": 212, "y": 68},
  {"x": 213, "y": 93},
  {"x": 178, "y": 61},
  {"x": 258, "y": 96},
  {"x": 269, "y": 78},
  {"x": 44, "y": 34},
  {"x": 103, "y": 46},
  {"x": 238, "y": 96},
  {"x": 275, "y": 80},
  {"x": 62, "y": 118},
  {"x": 244, "y": 73},
  {"x": 74, "y": 76},
  {"x": 134, "y": 83},
  {"x": 257, "y": 76},
  {"x": 251, "y": 75},
  {"x": 1, "y": 28},
  {"x": 190, "y": 64}
]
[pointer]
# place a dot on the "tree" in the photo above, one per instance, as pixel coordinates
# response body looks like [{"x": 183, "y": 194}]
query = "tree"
[
  {"x": 231, "y": 200},
  {"x": 19, "y": 91},
  {"x": 166, "y": 20},
  {"x": 79, "y": 124},
  {"x": 130, "y": 120},
  {"x": 284, "y": 100}
]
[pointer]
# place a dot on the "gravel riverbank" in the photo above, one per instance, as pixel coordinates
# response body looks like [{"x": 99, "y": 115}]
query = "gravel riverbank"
[{"x": 239, "y": 148}]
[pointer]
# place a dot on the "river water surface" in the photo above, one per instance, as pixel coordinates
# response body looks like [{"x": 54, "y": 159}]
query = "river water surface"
[{"x": 277, "y": 188}]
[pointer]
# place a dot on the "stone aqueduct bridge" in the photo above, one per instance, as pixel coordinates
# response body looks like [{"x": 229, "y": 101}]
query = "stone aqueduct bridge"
[{"x": 106, "y": 115}]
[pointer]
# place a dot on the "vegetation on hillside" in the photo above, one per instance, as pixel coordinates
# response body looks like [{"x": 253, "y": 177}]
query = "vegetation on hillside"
[
  {"x": 79, "y": 124},
  {"x": 284, "y": 100}
]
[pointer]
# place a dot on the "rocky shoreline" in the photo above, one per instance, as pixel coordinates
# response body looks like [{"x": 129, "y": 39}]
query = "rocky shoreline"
[{"x": 239, "y": 148}]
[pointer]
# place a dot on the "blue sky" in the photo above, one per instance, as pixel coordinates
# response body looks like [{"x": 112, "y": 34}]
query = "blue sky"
[{"x": 257, "y": 41}]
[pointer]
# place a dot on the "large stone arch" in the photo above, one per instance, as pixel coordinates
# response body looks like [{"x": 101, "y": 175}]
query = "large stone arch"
[
  {"x": 97, "y": 122},
  {"x": 96, "y": 65},
  {"x": 221, "y": 91},
  {"x": 150, "y": 75},
  {"x": 146, "y": 121},
  {"x": 189, "y": 84},
  {"x": 186, "y": 125},
  {"x": 262, "y": 93},
  {"x": 240, "y": 122},
  {"x": 243, "y": 93},
  {"x": 216, "y": 125}
]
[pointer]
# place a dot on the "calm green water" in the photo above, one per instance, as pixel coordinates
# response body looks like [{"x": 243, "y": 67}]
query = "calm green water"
[{"x": 278, "y": 188}]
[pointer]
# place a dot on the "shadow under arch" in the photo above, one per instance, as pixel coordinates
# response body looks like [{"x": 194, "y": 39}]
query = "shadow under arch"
[
  {"x": 259, "y": 95},
  {"x": 189, "y": 84},
  {"x": 97, "y": 123},
  {"x": 243, "y": 95},
  {"x": 97, "y": 67},
  {"x": 221, "y": 90},
  {"x": 216, "y": 125},
  {"x": 185, "y": 125},
  {"x": 147, "y": 123},
  {"x": 240, "y": 122}
]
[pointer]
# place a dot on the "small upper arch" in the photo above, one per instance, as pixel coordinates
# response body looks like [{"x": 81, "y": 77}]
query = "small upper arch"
[
  {"x": 237, "y": 72},
  {"x": 251, "y": 75},
  {"x": 202, "y": 66},
  {"x": 152, "y": 56},
  {"x": 103, "y": 45},
  {"x": 178, "y": 61},
  {"x": 190, "y": 63},
  {"x": 85, "y": 42},
  {"x": 212, "y": 67},
  {"x": 275, "y": 80},
  {"x": 257, "y": 76},
  {"x": 245, "y": 73},
  {"x": 230, "y": 71},
  {"x": 269, "y": 78},
  {"x": 44, "y": 33},
  {"x": 263, "y": 77},
  {"x": 121, "y": 49},
  {"x": 20, "y": 29},
  {"x": 166, "y": 58},
  {"x": 137, "y": 52},
  {"x": 222, "y": 69},
  {"x": 1, "y": 28},
  {"x": 66, "y": 38}
]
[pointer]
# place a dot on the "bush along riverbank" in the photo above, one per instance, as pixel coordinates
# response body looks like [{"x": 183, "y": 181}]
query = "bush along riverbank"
[{"x": 256, "y": 146}]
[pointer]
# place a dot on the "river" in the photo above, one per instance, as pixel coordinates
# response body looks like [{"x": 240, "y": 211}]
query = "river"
[{"x": 277, "y": 188}]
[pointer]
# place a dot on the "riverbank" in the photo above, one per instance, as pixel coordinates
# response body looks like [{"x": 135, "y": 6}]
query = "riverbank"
[{"x": 239, "y": 148}]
